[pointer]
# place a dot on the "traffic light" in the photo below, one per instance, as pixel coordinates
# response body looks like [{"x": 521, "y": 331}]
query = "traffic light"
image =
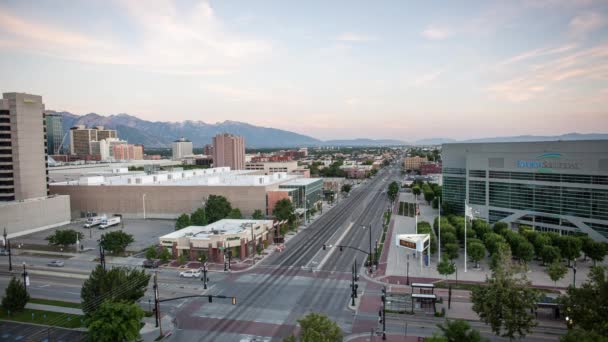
[
  {"x": 340, "y": 248},
  {"x": 324, "y": 247},
  {"x": 210, "y": 299},
  {"x": 233, "y": 300}
]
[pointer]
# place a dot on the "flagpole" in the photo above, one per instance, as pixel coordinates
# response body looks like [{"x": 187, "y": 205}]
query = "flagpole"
[
  {"x": 439, "y": 249},
  {"x": 465, "y": 234}
]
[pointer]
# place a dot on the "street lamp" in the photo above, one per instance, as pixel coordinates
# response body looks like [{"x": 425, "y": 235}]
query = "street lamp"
[
  {"x": 25, "y": 278},
  {"x": 371, "y": 258},
  {"x": 574, "y": 274}
]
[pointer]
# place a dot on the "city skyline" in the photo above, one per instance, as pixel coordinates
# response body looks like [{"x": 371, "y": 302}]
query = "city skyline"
[{"x": 394, "y": 71}]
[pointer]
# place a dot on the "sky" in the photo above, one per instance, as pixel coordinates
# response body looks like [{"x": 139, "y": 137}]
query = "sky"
[{"x": 404, "y": 70}]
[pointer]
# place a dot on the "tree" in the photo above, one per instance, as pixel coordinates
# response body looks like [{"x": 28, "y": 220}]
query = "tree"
[
  {"x": 476, "y": 252},
  {"x": 64, "y": 237},
  {"x": 506, "y": 303},
  {"x": 524, "y": 251},
  {"x": 217, "y": 207},
  {"x": 182, "y": 222},
  {"x": 429, "y": 196},
  {"x": 151, "y": 253},
  {"x": 597, "y": 251},
  {"x": 317, "y": 328},
  {"x": 257, "y": 215},
  {"x": 587, "y": 304},
  {"x": 459, "y": 331},
  {"x": 16, "y": 296},
  {"x": 556, "y": 271},
  {"x": 481, "y": 228},
  {"x": 500, "y": 227},
  {"x": 198, "y": 218},
  {"x": 580, "y": 335},
  {"x": 447, "y": 237},
  {"x": 540, "y": 241},
  {"x": 116, "y": 242},
  {"x": 115, "y": 322},
  {"x": 492, "y": 240},
  {"x": 346, "y": 188},
  {"x": 117, "y": 284},
  {"x": 549, "y": 254},
  {"x": 416, "y": 190},
  {"x": 235, "y": 213},
  {"x": 445, "y": 267},
  {"x": 164, "y": 254},
  {"x": 451, "y": 250},
  {"x": 570, "y": 247},
  {"x": 283, "y": 210},
  {"x": 393, "y": 190}
]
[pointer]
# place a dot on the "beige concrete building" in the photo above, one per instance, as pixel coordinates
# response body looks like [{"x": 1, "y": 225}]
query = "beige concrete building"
[
  {"x": 229, "y": 150},
  {"x": 273, "y": 167},
  {"x": 240, "y": 236},
  {"x": 181, "y": 148},
  {"x": 23, "y": 168},
  {"x": 413, "y": 163},
  {"x": 80, "y": 140},
  {"x": 170, "y": 194}
]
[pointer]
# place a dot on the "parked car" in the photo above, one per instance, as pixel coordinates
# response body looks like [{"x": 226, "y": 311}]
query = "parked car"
[
  {"x": 56, "y": 263},
  {"x": 190, "y": 274},
  {"x": 151, "y": 263},
  {"x": 3, "y": 251}
]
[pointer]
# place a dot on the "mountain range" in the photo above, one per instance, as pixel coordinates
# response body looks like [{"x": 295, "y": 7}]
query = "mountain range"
[
  {"x": 162, "y": 133},
  {"x": 158, "y": 134}
]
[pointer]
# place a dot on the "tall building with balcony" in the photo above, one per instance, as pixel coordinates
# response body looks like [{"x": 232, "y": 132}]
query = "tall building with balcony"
[
  {"x": 54, "y": 132},
  {"x": 229, "y": 150},
  {"x": 24, "y": 205},
  {"x": 181, "y": 148}
]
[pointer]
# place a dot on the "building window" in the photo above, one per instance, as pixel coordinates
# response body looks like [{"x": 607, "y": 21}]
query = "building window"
[
  {"x": 497, "y": 215},
  {"x": 477, "y": 173},
  {"x": 453, "y": 192},
  {"x": 500, "y": 174},
  {"x": 454, "y": 171},
  {"x": 477, "y": 192}
]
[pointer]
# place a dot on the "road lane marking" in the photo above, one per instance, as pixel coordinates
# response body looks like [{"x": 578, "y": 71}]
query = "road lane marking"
[{"x": 324, "y": 260}]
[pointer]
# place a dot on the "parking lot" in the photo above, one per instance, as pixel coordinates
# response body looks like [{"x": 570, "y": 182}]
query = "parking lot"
[{"x": 145, "y": 233}]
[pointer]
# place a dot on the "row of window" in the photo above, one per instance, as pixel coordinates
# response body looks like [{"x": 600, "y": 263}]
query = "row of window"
[
  {"x": 454, "y": 171},
  {"x": 548, "y": 177},
  {"x": 453, "y": 192}
]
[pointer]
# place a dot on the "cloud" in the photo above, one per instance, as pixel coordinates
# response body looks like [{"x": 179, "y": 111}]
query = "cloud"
[
  {"x": 354, "y": 38},
  {"x": 427, "y": 78},
  {"x": 586, "y": 65},
  {"x": 436, "y": 33},
  {"x": 192, "y": 43},
  {"x": 536, "y": 53},
  {"x": 585, "y": 23}
]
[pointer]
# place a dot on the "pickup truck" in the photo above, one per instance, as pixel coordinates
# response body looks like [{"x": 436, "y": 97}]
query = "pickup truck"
[{"x": 93, "y": 221}]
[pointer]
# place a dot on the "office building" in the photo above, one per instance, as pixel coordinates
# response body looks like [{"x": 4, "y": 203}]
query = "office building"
[
  {"x": 80, "y": 140},
  {"x": 23, "y": 167},
  {"x": 54, "y": 133},
  {"x": 181, "y": 148},
  {"x": 239, "y": 236},
  {"x": 413, "y": 163},
  {"x": 557, "y": 186},
  {"x": 272, "y": 167},
  {"x": 229, "y": 150},
  {"x": 308, "y": 191},
  {"x": 208, "y": 150},
  {"x": 104, "y": 133}
]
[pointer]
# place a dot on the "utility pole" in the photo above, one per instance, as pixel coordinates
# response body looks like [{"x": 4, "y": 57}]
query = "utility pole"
[
  {"x": 252, "y": 245},
  {"x": 7, "y": 245},
  {"x": 25, "y": 278},
  {"x": 407, "y": 279},
  {"x": 157, "y": 304},
  {"x": 102, "y": 257},
  {"x": 371, "y": 261},
  {"x": 353, "y": 286},
  {"x": 204, "y": 279},
  {"x": 439, "y": 231},
  {"x": 383, "y": 313}
]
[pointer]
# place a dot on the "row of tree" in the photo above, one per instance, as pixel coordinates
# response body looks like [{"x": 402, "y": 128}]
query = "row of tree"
[
  {"x": 216, "y": 207},
  {"x": 115, "y": 242}
]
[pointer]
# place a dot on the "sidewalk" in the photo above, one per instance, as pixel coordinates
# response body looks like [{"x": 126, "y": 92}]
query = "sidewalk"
[{"x": 53, "y": 308}]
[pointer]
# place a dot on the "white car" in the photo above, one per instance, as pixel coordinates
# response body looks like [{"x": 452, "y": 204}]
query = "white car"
[{"x": 190, "y": 274}]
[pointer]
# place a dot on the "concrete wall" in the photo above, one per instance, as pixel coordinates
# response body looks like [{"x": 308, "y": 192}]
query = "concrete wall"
[
  {"x": 160, "y": 201},
  {"x": 34, "y": 215}
]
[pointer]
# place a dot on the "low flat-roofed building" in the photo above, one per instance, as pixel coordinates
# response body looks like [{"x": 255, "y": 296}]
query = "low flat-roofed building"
[
  {"x": 241, "y": 237},
  {"x": 168, "y": 194}
]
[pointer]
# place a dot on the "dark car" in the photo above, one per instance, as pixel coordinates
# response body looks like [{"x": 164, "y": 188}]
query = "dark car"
[
  {"x": 150, "y": 263},
  {"x": 4, "y": 252}
]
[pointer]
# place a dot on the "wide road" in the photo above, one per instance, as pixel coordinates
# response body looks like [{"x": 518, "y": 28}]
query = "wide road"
[{"x": 286, "y": 286}]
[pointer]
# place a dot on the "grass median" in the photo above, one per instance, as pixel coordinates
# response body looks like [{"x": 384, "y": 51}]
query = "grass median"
[
  {"x": 51, "y": 318},
  {"x": 54, "y": 303}
]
